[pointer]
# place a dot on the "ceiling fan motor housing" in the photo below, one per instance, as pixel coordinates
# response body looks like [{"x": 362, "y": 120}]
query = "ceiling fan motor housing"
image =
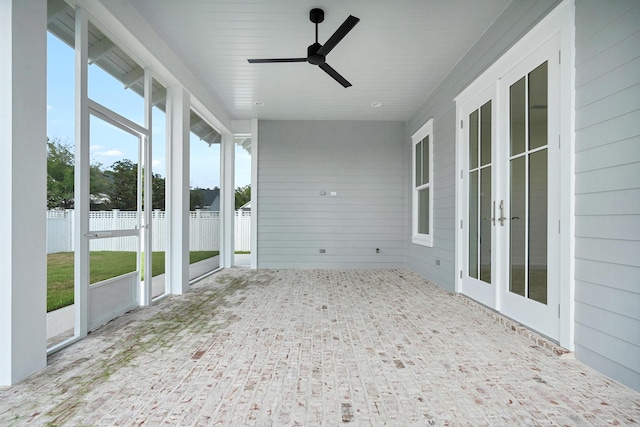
[{"x": 313, "y": 57}]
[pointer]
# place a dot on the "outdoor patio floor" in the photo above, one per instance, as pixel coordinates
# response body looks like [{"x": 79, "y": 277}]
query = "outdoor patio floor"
[{"x": 315, "y": 347}]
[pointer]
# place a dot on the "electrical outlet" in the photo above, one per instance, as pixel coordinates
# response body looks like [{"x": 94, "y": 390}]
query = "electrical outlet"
[{"x": 322, "y": 251}]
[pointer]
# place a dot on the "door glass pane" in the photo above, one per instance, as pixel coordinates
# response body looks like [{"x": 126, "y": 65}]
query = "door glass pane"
[
  {"x": 113, "y": 177},
  {"x": 538, "y": 226},
  {"x": 425, "y": 160},
  {"x": 517, "y": 226},
  {"x": 517, "y": 116},
  {"x": 485, "y": 225},
  {"x": 473, "y": 224},
  {"x": 485, "y": 134},
  {"x": 423, "y": 211},
  {"x": 473, "y": 140},
  {"x": 538, "y": 107},
  {"x": 419, "y": 164}
]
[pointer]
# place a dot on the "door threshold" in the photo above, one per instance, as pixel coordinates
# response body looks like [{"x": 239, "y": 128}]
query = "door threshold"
[{"x": 538, "y": 339}]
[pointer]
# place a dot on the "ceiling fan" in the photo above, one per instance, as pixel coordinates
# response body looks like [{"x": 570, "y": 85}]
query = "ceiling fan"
[{"x": 316, "y": 53}]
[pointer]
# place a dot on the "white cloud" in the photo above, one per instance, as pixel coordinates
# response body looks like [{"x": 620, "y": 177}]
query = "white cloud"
[
  {"x": 156, "y": 163},
  {"x": 110, "y": 153},
  {"x": 49, "y": 107}
]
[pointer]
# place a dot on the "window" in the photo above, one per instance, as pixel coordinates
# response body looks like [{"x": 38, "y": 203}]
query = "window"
[{"x": 422, "y": 227}]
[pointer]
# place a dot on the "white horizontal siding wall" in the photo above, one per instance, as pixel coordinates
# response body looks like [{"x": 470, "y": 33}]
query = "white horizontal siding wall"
[
  {"x": 517, "y": 19},
  {"x": 608, "y": 187},
  {"x": 362, "y": 163}
]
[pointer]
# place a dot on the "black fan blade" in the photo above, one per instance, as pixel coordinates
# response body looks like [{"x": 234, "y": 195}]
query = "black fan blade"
[
  {"x": 266, "y": 61},
  {"x": 342, "y": 31},
  {"x": 333, "y": 73}
]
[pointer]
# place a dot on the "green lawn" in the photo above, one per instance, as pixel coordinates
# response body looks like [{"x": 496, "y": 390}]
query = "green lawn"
[{"x": 102, "y": 266}]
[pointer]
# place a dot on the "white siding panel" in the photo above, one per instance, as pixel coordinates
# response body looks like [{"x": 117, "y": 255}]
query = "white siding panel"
[
  {"x": 607, "y": 182},
  {"x": 612, "y": 178},
  {"x": 609, "y": 322},
  {"x": 619, "y": 227},
  {"x": 617, "y": 276},
  {"x": 626, "y": 354},
  {"x": 626, "y": 252},
  {"x": 301, "y": 164},
  {"x": 609, "y": 155},
  {"x": 624, "y": 303}
]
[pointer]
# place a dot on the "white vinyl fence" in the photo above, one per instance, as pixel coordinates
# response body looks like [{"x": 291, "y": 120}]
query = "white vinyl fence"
[{"x": 204, "y": 230}]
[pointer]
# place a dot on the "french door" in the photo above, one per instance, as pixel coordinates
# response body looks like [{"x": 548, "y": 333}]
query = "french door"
[{"x": 510, "y": 197}]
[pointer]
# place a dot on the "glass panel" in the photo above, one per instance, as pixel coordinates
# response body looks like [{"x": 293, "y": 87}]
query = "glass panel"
[
  {"x": 485, "y": 225},
  {"x": 538, "y": 226},
  {"x": 517, "y": 116},
  {"x": 473, "y": 140},
  {"x": 423, "y": 211},
  {"x": 113, "y": 177},
  {"x": 204, "y": 179},
  {"x": 112, "y": 257},
  {"x": 517, "y": 226},
  {"x": 473, "y": 224},
  {"x": 538, "y": 107},
  {"x": 485, "y": 134},
  {"x": 419, "y": 164},
  {"x": 425, "y": 160}
]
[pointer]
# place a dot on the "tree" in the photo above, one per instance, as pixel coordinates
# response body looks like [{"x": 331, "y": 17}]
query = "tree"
[
  {"x": 60, "y": 164},
  {"x": 243, "y": 195},
  {"x": 158, "y": 188},
  {"x": 124, "y": 185},
  {"x": 196, "y": 199}
]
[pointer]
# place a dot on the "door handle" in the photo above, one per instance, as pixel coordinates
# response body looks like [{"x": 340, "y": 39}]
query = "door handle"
[{"x": 502, "y": 217}]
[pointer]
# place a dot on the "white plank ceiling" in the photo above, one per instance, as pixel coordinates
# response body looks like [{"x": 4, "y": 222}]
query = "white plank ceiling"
[{"x": 397, "y": 55}]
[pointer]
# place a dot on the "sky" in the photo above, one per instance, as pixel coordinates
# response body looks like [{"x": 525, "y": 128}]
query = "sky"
[{"x": 110, "y": 144}]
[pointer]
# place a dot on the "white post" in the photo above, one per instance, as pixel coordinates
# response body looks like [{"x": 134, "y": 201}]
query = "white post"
[
  {"x": 177, "y": 205},
  {"x": 81, "y": 178},
  {"x": 227, "y": 200},
  {"x": 254, "y": 193},
  {"x": 146, "y": 238},
  {"x": 23, "y": 168}
]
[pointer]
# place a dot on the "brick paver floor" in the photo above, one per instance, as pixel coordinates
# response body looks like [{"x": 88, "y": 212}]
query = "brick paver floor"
[{"x": 314, "y": 347}]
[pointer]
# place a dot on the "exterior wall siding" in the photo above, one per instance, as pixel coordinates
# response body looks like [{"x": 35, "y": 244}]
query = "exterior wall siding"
[
  {"x": 363, "y": 163},
  {"x": 517, "y": 19},
  {"x": 607, "y": 187}
]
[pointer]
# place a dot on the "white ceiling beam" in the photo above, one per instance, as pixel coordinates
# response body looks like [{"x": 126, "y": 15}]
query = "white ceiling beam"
[
  {"x": 100, "y": 49},
  {"x": 132, "y": 76}
]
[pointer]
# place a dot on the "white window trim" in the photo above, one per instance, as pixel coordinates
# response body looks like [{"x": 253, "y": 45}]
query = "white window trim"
[{"x": 419, "y": 136}]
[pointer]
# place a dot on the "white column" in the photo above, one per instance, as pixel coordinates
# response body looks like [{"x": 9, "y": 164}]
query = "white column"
[
  {"x": 177, "y": 204},
  {"x": 146, "y": 237},
  {"x": 81, "y": 177},
  {"x": 23, "y": 276},
  {"x": 254, "y": 193},
  {"x": 227, "y": 201}
]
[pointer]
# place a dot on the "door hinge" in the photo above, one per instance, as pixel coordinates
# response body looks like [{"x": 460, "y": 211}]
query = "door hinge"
[
  {"x": 461, "y": 126},
  {"x": 559, "y": 57},
  {"x": 558, "y": 226},
  {"x": 460, "y": 173},
  {"x": 558, "y": 311},
  {"x": 558, "y": 141},
  {"x": 461, "y": 274},
  {"x": 461, "y": 224}
]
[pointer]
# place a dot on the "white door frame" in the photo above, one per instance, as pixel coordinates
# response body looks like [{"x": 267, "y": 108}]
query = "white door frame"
[{"x": 559, "y": 23}]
